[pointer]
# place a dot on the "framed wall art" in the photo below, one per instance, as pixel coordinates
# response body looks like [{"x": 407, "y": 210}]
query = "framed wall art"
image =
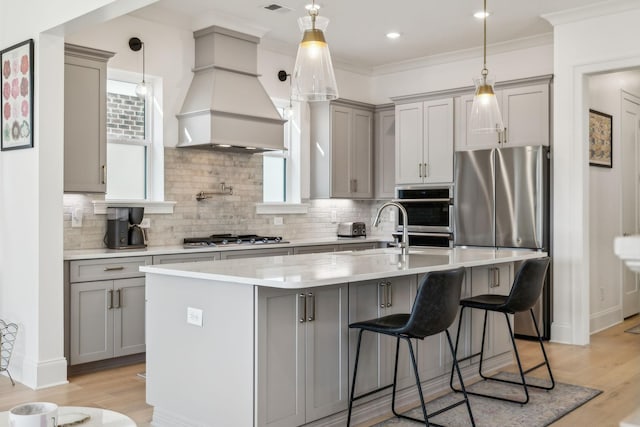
[
  {"x": 17, "y": 96},
  {"x": 600, "y": 144}
]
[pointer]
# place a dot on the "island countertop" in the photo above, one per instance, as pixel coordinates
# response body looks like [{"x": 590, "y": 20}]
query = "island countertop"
[{"x": 309, "y": 270}]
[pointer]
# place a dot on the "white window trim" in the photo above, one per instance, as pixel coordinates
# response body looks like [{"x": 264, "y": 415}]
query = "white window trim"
[{"x": 150, "y": 207}]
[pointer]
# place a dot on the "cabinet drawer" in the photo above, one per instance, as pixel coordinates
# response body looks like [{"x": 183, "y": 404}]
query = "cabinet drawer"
[
  {"x": 105, "y": 269},
  {"x": 174, "y": 258}
]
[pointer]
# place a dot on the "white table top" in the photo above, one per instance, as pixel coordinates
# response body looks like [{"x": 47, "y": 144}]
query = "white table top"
[
  {"x": 308, "y": 270},
  {"x": 99, "y": 417}
]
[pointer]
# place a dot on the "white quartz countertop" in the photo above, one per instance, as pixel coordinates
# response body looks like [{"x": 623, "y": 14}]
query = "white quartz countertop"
[
  {"x": 309, "y": 270},
  {"x": 80, "y": 254}
]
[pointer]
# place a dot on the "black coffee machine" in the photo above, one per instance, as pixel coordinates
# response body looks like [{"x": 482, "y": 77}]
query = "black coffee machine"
[{"x": 123, "y": 228}]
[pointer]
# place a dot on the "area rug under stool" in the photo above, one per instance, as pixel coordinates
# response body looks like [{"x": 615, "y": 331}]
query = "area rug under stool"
[
  {"x": 544, "y": 407},
  {"x": 634, "y": 330}
]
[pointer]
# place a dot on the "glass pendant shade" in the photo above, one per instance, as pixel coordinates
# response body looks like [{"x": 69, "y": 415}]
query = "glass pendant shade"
[
  {"x": 142, "y": 89},
  {"x": 485, "y": 112},
  {"x": 313, "y": 76}
]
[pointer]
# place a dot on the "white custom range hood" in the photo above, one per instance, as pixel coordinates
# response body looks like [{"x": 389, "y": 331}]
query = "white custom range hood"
[{"x": 226, "y": 107}]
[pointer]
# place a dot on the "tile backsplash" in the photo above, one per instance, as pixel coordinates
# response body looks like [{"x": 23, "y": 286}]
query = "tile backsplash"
[{"x": 189, "y": 171}]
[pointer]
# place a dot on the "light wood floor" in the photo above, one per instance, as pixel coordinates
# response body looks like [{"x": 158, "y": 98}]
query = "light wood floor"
[{"x": 611, "y": 363}]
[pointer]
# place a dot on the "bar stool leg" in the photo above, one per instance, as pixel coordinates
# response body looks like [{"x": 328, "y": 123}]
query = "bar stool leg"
[
  {"x": 457, "y": 369},
  {"x": 355, "y": 372},
  {"x": 544, "y": 354},
  {"x": 395, "y": 379}
]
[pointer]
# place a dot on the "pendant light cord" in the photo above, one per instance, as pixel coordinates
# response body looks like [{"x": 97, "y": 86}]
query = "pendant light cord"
[
  {"x": 143, "y": 62},
  {"x": 484, "y": 50}
]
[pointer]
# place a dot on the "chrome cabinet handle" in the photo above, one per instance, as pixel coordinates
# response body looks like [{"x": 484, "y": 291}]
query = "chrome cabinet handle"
[
  {"x": 389, "y": 294},
  {"x": 302, "y": 307},
  {"x": 495, "y": 282},
  {"x": 426, "y": 170},
  {"x": 109, "y": 299},
  {"x": 311, "y": 302},
  {"x": 420, "y": 170},
  {"x": 382, "y": 294},
  {"x": 117, "y": 292},
  {"x": 104, "y": 174},
  {"x": 114, "y": 268},
  {"x": 355, "y": 185},
  {"x": 504, "y": 136}
]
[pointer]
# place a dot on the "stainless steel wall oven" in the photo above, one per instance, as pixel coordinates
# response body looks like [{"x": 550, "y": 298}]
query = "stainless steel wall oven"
[{"x": 430, "y": 214}]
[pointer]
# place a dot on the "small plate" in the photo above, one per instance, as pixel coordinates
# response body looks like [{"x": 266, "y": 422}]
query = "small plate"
[{"x": 72, "y": 419}]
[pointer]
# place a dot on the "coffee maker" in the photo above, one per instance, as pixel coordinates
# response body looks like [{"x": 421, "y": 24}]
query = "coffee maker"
[{"x": 123, "y": 228}]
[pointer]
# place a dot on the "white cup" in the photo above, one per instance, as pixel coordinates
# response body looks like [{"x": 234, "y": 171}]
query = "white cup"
[{"x": 35, "y": 414}]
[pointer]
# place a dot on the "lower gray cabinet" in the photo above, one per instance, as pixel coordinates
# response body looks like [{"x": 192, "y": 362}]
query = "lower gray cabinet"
[
  {"x": 107, "y": 319},
  {"x": 369, "y": 300},
  {"x": 255, "y": 253},
  {"x": 192, "y": 257},
  {"x": 496, "y": 279},
  {"x": 302, "y": 354}
]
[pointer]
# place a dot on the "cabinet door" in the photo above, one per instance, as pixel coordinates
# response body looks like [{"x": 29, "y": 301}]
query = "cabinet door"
[
  {"x": 128, "y": 320},
  {"x": 84, "y": 125},
  {"x": 369, "y": 300},
  {"x": 341, "y": 134},
  {"x": 194, "y": 257},
  {"x": 91, "y": 321},
  {"x": 361, "y": 154},
  {"x": 314, "y": 249},
  {"x": 525, "y": 111},
  {"x": 281, "y": 357},
  {"x": 495, "y": 279},
  {"x": 327, "y": 375},
  {"x": 358, "y": 246},
  {"x": 438, "y": 141},
  {"x": 409, "y": 143},
  {"x": 385, "y": 154},
  {"x": 466, "y": 139}
]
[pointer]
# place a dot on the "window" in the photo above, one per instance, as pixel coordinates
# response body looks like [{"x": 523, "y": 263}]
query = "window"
[
  {"x": 281, "y": 169},
  {"x": 128, "y": 142}
]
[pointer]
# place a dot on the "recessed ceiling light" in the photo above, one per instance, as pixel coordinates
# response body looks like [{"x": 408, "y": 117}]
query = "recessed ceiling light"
[
  {"x": 393, "y": 35},
  {"x": 481, "y": 14}
]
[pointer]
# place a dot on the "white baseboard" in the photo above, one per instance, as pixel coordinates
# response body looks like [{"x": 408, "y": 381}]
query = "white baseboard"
[
  {"x": 43, "y": 374},
  {"x": 561, "y": 333},
  {"x": 605, "y": 319}
]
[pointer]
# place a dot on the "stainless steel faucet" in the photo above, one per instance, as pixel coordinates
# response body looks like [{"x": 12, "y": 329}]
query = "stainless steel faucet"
[{"x": 404, "y": 245}]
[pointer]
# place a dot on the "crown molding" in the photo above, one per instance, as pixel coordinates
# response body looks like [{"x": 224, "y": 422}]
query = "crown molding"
[{"x": 591, "y": 11}]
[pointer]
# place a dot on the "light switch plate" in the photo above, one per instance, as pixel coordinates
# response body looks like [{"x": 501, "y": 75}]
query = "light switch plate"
[
  {"x": 76, "y": 217},
  {"x": 194, "y": 316}
]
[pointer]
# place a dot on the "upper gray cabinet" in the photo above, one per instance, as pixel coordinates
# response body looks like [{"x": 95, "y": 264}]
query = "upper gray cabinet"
[
  {"x": 85, "y": 116},
  {"x": 384, "y": 152},
  {"x": 424, "y": 142},
  {"x": 341, "y": 150},
  {"x": 525, "y": 113}
]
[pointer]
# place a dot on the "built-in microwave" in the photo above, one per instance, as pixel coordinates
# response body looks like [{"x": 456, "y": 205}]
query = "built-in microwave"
[{"x": 429, "y": 208}]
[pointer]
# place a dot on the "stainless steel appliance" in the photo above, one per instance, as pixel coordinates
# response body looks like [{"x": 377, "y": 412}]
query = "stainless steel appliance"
[
  {"x": 229, "y": 240},
  {"x": 429, "y": 214},
  {"x": 502, "y": 200},
  {"x": 352, "y": 229}
]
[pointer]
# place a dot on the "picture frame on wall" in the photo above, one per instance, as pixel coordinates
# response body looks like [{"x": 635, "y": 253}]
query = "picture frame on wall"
[
  {"x": 600, "y": 139},
  {"x": 16, "y": 83}
]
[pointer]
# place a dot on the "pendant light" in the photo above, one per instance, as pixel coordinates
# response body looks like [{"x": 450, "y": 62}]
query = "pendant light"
[
  {"x": 485, "y": 112},
  {"x": 283, "y": 76},
  {"x": 141, "y": 88},
  {"x": 313, "y": 75}
]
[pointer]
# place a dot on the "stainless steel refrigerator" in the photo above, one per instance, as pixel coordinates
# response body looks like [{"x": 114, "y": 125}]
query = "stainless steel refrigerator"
[{"x": 501, "y": 199}]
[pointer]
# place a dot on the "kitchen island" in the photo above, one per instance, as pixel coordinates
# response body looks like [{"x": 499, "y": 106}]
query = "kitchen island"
[{"x": 265, "y": 342}]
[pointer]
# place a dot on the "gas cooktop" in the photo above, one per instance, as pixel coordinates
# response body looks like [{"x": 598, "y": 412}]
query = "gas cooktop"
[{"x": 229, "y": 240}]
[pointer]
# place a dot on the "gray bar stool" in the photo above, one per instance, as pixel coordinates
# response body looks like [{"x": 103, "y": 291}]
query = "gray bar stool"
[
  {"x": 526, "y": 289},
  {"x": 434, "y": 310}
]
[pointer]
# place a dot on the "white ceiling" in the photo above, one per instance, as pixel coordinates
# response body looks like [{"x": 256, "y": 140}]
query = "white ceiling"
[{"x": 357, "y": 28}]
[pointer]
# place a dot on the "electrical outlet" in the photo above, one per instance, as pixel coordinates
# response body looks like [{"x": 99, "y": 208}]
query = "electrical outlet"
[
  {"x": 146, "y": 223},
  {"x": 334, "y": 216},
  {"x": 277, "y": 220},
  {"x": 194, "y": 316}
]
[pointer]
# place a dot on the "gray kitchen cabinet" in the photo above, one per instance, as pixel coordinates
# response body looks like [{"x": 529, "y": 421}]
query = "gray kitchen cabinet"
[
  {"x": 106, "y": 309},
  {"x": 85, "y": 119},
  {"x": 255, "y": 253},
  {"x": 490, "y": 280},
  {"x": 341, "y": 150},
  {"x": 525, "y": 113},
  {"x": 384, "y": 152},
  {"x": 193, "y": 257},
  {"x": 358, "y": 246},
  {"x": 302, "y": 354},
  {"x": 314, "y": 249},
  {"x": 369, "y": 300},
  {"x": 424, "y": 142}
]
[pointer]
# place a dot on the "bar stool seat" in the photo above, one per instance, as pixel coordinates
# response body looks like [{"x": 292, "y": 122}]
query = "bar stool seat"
[
  {"x": 526, "y": 289},
  {"x": 434, "y": 310}
]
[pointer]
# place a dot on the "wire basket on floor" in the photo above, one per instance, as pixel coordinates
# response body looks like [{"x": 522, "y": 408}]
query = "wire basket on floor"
[{"x": 8, "y": 333}]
